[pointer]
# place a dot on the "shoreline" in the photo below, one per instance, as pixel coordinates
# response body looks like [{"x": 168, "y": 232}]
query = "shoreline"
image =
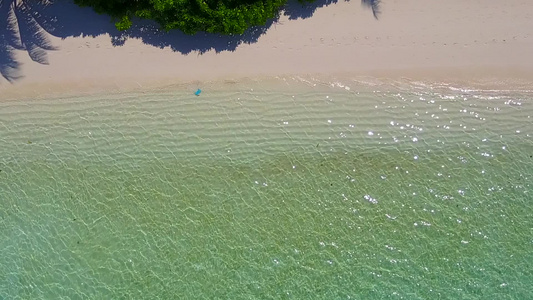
[
  {"x": 430, "y": 41},
  {"x": 467, "y": 79}
]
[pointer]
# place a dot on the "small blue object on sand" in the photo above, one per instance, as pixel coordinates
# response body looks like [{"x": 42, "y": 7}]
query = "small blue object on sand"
[{"x": 197, "y": 93}]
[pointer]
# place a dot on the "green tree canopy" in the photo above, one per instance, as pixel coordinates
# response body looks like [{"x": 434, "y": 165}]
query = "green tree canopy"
[{"x": 191, "y": 16}]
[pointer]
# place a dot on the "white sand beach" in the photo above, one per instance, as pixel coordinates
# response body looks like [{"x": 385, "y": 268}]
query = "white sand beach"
[{"x": 449, "y": 40}]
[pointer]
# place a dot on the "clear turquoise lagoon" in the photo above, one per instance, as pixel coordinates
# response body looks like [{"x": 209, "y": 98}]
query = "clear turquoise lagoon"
[{"x": 286, "y": 189}]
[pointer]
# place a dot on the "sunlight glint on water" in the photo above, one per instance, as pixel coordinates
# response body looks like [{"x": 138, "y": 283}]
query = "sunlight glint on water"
[{"x": 286, "y": 189}]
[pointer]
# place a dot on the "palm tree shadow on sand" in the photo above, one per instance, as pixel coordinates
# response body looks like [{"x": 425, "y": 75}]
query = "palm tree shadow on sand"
[
  {"x": 24, "y": 25},
  {"x": 20, "y": 31}
]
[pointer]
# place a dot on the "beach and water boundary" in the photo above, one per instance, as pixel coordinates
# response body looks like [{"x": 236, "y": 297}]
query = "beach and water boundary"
[
  {"x": 454, "y": 42},
  {"x": 382, "y": 176}
]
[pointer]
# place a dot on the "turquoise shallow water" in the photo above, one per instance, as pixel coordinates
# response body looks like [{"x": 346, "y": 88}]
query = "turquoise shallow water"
[{"x": 289, "y": 189}]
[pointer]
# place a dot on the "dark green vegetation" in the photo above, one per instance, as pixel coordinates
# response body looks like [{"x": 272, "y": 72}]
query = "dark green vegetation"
[
  {"x": 25, "y": 25},
  {"x": 192, "y": 16}
]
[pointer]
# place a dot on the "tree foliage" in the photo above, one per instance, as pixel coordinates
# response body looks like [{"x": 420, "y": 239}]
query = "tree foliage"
[{"x": 191, "y": 16}]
